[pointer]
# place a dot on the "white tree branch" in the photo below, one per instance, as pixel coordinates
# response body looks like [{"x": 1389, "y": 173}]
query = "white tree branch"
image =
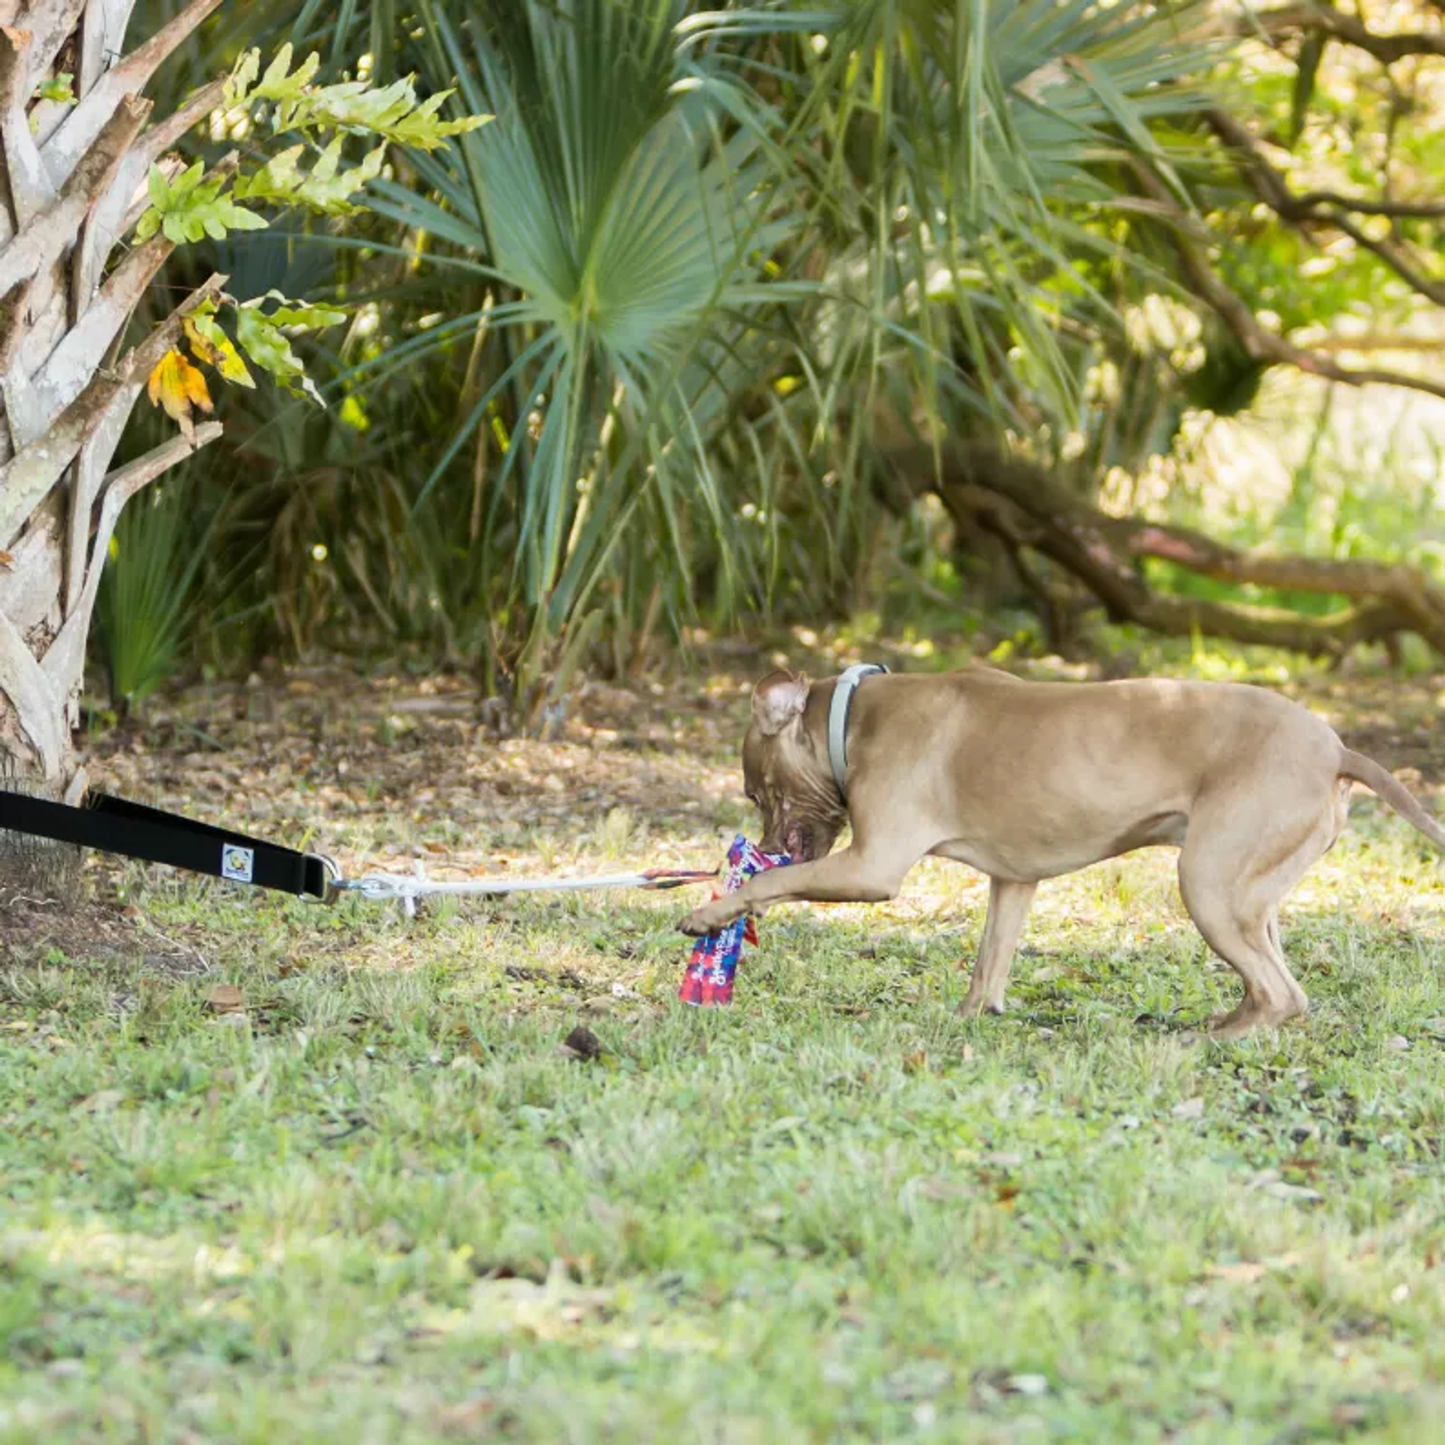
[
  {"x": 67, "y": 653},
  {"x": 101, "y": 38},
  {"x": 29, "y": 186},
  {"x": 72, "y": 363},
  {"x": 50, "y": 26},
  {"x": 64, "y": 149},
  {"x": 39, "y": 708},
  {"x": 127, "y": 197},
  {"x": 39, "y": 243},
  {"x": 27, "y": 478}
]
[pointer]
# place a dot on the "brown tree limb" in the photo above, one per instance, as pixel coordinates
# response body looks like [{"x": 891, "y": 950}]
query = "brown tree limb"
[
  {"x": 121, "y": 206},
  {"x": 71, "y": 364},
  {"x": 1378, "y": 341},
  {"x": 1022, "y": 504},
  {"x": 1387, "y": 49},
  {"x": 50, "y": 26},
  {"x": 1259, "y": 343},
  {"x": 1274, "y": 190},
  {"x": 1269, "y": 184},
  {"x": 1393, "y": 256}
]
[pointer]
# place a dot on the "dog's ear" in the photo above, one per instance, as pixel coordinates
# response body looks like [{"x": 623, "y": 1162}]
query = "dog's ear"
[{"x": 778, "y": 699}]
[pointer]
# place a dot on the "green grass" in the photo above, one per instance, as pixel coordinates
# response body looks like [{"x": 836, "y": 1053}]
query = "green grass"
[{"x": 385, "y": 1205}]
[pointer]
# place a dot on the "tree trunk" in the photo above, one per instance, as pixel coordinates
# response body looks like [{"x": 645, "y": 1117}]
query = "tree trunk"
[{"x": 72, "y": 182}]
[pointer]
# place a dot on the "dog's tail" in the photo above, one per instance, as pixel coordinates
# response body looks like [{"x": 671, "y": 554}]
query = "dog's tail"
[{"x": 1367, "y": 771}]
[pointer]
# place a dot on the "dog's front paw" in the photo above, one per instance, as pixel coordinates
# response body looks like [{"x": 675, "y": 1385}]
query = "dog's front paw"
[{"x": 709, "y": 918}]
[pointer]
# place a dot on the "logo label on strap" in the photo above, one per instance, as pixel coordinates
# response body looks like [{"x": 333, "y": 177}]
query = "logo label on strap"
[{"x": 237, "y": 863}]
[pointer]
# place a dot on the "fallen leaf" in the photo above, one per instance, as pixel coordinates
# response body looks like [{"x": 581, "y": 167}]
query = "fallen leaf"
[
  {"x": 226, "y": 998},
  {"x": 7, "y": 560},
  {"x": 915, "y": 1062},
  {"x": 100, "y": 1103},
  {"x": 918, "y": 1379},
  {"x": 1246, "y": 1271},
  {"x": 465, "y": 1417},
  {"x": 582, "y": 1043},
  {"x": 1189, "y": 1109},
  {"x": 1278, "y": 1189},
  {"x": 1027, "y": 1384},
  {"x": 177, "y": 386},
  {"x": 550, "y": 1311},
  {"x": 1349, "y": 1415}
]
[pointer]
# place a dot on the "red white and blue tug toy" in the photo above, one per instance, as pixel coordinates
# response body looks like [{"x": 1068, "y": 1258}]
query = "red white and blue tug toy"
[{"x": 708, "y": 982}]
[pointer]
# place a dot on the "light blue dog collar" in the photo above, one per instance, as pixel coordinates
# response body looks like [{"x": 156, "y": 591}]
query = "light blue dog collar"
[{"x": 838, "y": 719}]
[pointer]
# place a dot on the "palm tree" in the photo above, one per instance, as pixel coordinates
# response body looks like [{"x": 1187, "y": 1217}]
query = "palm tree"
[{"x": 707, "y": 262}]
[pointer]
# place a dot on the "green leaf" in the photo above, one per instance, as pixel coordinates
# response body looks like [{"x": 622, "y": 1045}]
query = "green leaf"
[
  {"x": 392, "y": 112},
  {"x": 262, "y": 338},
  {"x": 158, "y": 187},
  {"x": 183, "y": 185},
  {"x": 57, "y": 88},
  {"x": 280, "y": 83},
  {"x": 299, "y": 315},
  {"x": 238, "y": 85},
  {"x": 282, "y": 182},
  {"x": 271, "y": 351},
  {"x": 191, "y": 209}
]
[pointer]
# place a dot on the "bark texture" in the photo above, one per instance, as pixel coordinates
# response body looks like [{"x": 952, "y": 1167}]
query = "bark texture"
[{"x": 72, "y": 182}]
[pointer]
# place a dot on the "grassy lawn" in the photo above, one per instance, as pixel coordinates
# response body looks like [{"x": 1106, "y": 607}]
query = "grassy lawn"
[{"x": 381, "y": 1201}]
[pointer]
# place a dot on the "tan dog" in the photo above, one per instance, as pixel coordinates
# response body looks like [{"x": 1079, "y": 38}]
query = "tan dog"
[{"x": 1026, "y": 781}]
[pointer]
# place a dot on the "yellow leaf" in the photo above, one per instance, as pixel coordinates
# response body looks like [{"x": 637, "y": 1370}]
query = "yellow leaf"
[
  {"x": 226, "y": 998},
  {"x": 211, "y": 345},
  {"x": 177, "y": 386},
  {"x": 201, "y": 349}
]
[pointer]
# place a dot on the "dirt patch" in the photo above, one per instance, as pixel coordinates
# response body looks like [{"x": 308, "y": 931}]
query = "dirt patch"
[{"x": 32, "y": 927}]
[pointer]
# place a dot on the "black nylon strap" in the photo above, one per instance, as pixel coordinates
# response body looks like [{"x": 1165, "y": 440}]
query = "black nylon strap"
[{"x": 115, "y": 825}]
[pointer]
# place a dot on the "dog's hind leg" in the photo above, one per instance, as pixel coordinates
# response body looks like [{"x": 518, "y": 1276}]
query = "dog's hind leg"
[
  {"x": 1233, "y": 878},
  {"x": 1008, "y": 907}
]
